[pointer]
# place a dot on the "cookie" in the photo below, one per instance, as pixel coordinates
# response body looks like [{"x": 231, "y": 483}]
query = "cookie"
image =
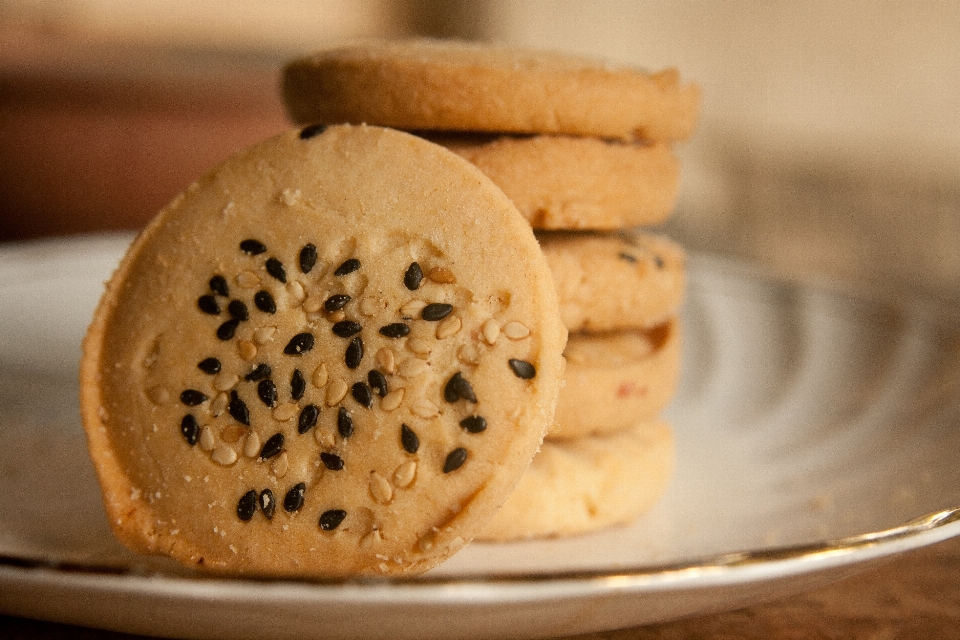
[
  {"x": 286, "y": 376},
  {"x": 586, "y": 484},
  {"x": 614, "y": 379},
  {"x": 566, "y": 182},
  {"x": 459, "y": 86},
  {"x": 612, "y": 281}
]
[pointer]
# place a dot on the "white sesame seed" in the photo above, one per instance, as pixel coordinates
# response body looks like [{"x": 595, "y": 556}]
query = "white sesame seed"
[
  {"x": 516, "y": 330},
  {"x": 225, "y": 381},
  {"x": 320, "y": 376},
  {"x": 312, "y": 304},
  {"x": 248, "y": 350},
  {"x": 412, "y": 367},
  {"x": 413, "y": 308},
  {"x": 380, "y": 489},
  {"x": 285, "y": 411},
  {"x": 442, "y": 275},
  {"x": 251, "y": 448},
  {"x": 468, "y": 354},
  {"x": 419, "y": 346},
  {"x": 425, "y": 408},
  {"x": 336, "y": 391},
  {"x": 280, "y": 465},
  {"x": 296, "y": 291},
  {"x": 392, "y": 400},
  {"x": 370, "y": 305},
  {"x": 219, "y": 404},
  {"x": 207, "y": 440},
  {"x": 405, "y": 474},
  {"x": 387, "y": 359},
  {"x": 449, "y": 327},
  {"x": 491, "y": 331},
  {"x": 224, "y": 455}
]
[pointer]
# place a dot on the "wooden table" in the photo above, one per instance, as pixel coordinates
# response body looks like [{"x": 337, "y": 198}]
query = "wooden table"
[{"x": 914, "y": 597}]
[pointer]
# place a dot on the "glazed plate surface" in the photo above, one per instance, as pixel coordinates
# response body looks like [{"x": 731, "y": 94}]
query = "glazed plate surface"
[{"x": 817, "y": 434}]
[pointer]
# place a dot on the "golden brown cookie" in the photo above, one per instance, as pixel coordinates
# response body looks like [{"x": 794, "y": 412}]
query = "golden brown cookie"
[
  {"x": 614, "y": 379},
  {"x": 567, "y": 182},
  {"x": 613, "y": 281},
  {"x": 286, "y": 374},
  {"x": 581, "y": 485},
  {"x": 459, "y": 86}
]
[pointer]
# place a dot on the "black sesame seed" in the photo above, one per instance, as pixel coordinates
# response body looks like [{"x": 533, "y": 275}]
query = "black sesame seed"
[
  {"x": 252, "y": 247},
  {"x": 298, "y": 385},
  {"x": 377, "y": 382},
  {"x": 308, "y": 418},
  {"x": 208, "y": 304},
  {"x": 395, "y": 330},
  {"x": 209, "y": 365},
  {"x": 522, "y": 368},
  {"x": 265, "y": 302},
  {"x": 474, "y": 424},
  {"x": 272, "y": 446},
  {"x": 238, "y": 310},
  {"x": 346, "y": 328},
  {"x": 190, "y": 429},
  {"x": 267, "y": 504},
  {"x": 455, "y": 460},
  {"x": 192, "y": 397},
  {"x": 247, "y": 506},
  {"x": 348, "y": 266},
  {"x": 354, "y": 353},
  {"x": 626, "y": 256},
  {"x": 331, "y": 461},
  {"x": 408, "y": 439},
  {"x": 299, "y": 344},
  {"x": 238, "y": 409},
  {"x": 413, "y": 277},
  {"x": 260, "y": 372},
  {"x": 293, "y": 501},
  {"x": 344, "y": 423},
  {"x": 336, "y": 302},
  {"x": 458, "y": 387},
  {"x": 218, "y": 284},
  {"x": 227, "y": 330},
  {"x": 312, "y": 130},
  {"x": 330, "y": 520},
  {"x": 308, "y": 258},
  {"x": 275, "y": 268},
  {"x": 267, "y": 391},
  {"x": 436, "y": 311},
  {"x": 362, "y": 393}
]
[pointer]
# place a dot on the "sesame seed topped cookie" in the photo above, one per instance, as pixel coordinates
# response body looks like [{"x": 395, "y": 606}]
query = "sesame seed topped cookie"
[
  {"x": 449, "y": 85},
  {"x": 291, "y": 373}
]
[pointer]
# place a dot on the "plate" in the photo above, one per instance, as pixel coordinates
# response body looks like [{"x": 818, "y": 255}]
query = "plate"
[{"x": 816, "y": 436}]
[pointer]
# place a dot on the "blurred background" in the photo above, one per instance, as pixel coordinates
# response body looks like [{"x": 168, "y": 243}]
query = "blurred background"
[{"x": 829, "y": 142}]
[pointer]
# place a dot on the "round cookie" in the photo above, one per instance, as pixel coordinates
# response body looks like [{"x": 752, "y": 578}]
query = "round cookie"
[
  {"x": 612, "y": 281},
  {"x": 614, "y": 379},
  {"x": 567, "y": 182},
  {"x": 583, "y": 485},
  {"x": 285, "y": 375},
  {"x": 460, "y": 86}
]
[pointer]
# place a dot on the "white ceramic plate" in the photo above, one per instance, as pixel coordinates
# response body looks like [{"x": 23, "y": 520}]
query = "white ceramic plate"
[{"x": 817, "y": 434}]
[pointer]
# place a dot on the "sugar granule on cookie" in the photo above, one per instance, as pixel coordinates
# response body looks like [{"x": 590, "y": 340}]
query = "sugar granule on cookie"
[{"x": 289, "y": 373}]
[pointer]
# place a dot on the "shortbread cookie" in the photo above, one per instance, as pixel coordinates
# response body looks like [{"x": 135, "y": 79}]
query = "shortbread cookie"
[
  {"x": 566, "y": 182},
  {"x": 614, "y": 379},
  {"x": 585, "y": 484},
  {"x": 458, "y": 86},
  {"x": 615, "y": 281},
  {"x": 287, "y": 374}
]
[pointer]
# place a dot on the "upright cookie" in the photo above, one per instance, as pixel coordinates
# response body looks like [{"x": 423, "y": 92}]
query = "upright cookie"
[
  {"x": 614, "y": 379},
  {"x": 567, "y": 182},
  {"x": 286, "y": 374},
  {"x": 585, "y": 484},
  {"x": 458, "y": 86},
  {"x": 612, "y": 281}
]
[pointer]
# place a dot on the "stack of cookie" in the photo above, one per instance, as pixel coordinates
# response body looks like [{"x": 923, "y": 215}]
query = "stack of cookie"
[{"x": 583, "y": 149}]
